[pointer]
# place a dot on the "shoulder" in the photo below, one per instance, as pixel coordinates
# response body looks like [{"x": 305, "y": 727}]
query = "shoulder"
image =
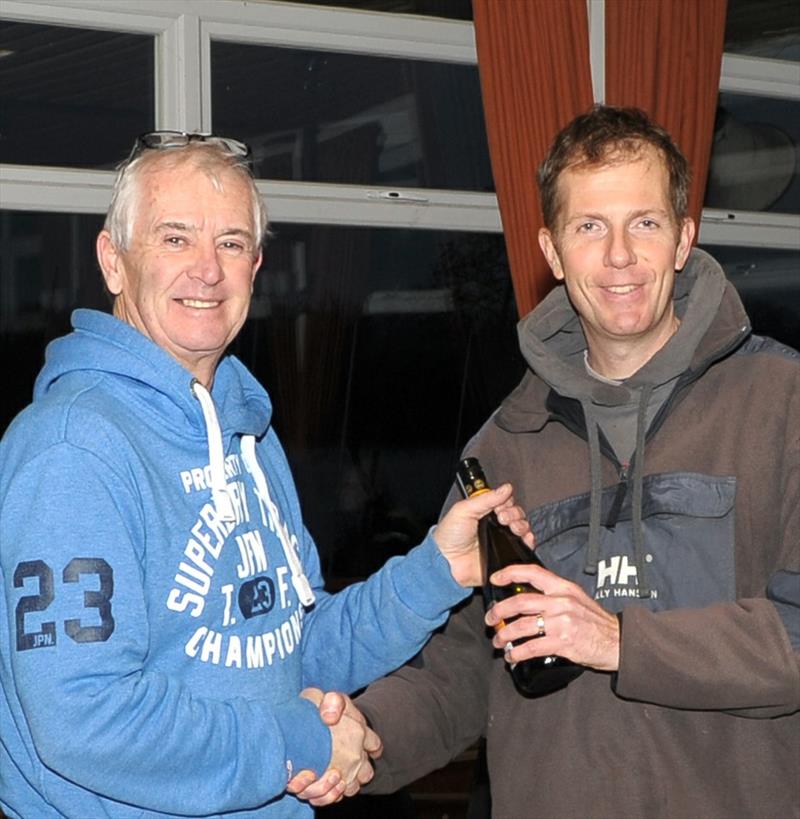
[
  {"x": 763, "y": 345},
  {"x": 86, "y": 419}
]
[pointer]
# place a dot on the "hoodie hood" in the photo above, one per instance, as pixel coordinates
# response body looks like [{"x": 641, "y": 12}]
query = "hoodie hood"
[
  {"x": 552, "y": 341},
  {"x": 150, "y": 381},
  {"x": 713, "y": 323},
  {"x": 103, "y": 345}
]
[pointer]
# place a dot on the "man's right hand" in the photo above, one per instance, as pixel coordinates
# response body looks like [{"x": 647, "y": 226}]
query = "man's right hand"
[{"x": 354, "y": 744}]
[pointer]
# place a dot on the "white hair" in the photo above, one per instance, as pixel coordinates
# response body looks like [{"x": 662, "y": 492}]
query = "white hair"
[{"x": 212, "y": 158}]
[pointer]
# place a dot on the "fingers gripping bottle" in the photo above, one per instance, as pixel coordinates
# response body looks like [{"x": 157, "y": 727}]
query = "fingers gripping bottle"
[{"x": 500, "y": 547}]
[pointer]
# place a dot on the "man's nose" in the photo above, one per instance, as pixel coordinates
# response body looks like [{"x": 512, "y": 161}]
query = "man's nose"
[
  {"x": 619, "y": 249},
  {"x": 206, "y": 265}
]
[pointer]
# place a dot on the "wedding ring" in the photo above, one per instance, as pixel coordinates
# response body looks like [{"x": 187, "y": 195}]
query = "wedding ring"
[{"x": 540, "y": 625}]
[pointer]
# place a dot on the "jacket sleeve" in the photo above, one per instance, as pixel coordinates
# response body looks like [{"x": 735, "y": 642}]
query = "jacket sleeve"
[
  {"x": 435, "y": 707},
  {"x": 734, "y": 657},
  {"x": 79, "y": 625},
  {"x": 743, "y": 656}
]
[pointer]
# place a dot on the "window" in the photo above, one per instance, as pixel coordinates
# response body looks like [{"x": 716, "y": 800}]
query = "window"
[
  {"x": 323, "y": 116},
  {"x": 73, "y": 96},
  {"x": 47, "y": 268}
]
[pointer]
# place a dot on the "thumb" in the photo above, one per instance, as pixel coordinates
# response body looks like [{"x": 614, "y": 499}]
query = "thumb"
[
  {"x": 332, "y": 707},
  {"x": 482, "y": 504}
]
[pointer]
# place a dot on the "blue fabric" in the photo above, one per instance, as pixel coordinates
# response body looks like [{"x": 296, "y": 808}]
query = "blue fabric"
[{"x": 154, "y": 654}]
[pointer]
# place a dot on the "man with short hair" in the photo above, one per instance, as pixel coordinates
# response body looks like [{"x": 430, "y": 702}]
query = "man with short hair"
[
  {"x": 655, "y": 444},
  {"x": 163, "y": 600}
]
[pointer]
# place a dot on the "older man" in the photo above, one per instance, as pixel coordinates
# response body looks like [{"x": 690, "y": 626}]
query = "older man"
[
  {"x": 163, "y": 600},
  {"x": 654, "y": 444}
]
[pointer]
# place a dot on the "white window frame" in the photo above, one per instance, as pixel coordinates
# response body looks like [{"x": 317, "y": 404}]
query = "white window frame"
[{"x": 184, "y": 30}]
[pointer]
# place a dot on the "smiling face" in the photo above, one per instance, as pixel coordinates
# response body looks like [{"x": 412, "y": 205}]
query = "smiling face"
[
  {"x": 186, "y": 278},
  {"x": 616, "y": 248}
]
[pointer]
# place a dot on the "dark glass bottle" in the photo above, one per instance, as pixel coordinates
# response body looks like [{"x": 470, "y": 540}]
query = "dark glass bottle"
[{"x": 501, "y": 547}]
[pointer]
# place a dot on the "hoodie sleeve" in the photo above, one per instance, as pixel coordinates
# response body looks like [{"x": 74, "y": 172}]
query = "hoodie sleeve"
[
  {"x": 78, "y": 623},
  {"x": 370, "y": 628}
]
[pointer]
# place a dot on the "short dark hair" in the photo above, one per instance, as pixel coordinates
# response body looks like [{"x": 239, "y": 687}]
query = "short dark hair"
[{"x": 600, "y": 137}]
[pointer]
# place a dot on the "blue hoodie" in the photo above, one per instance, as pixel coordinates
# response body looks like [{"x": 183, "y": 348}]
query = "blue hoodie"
[{"x": 164, "y": 601}]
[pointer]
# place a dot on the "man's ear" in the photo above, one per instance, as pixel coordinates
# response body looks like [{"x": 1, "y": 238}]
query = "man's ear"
[
  {"x": 685, "y": 238},
  {"x": 110, "y": 261},
  {"x": 548, "y": 247},
  {"x": 256, "y": 265}
]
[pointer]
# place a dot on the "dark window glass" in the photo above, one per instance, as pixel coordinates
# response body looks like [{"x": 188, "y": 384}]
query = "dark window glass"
[
  {"x": 766, "y": 28},
  {"x": 455, "y": 9},
  {"x": 755, "y": 155},
  {"x": 323, "y": 116},
  {"x": 47, "y": 267},
  {"x": 383, "y": 352},
  {"x": 768, "y": 282},
  {"x": 73, "y": 97}
]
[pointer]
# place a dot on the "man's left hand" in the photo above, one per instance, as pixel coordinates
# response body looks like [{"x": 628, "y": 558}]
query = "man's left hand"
[{"x": 576, "y": 627}]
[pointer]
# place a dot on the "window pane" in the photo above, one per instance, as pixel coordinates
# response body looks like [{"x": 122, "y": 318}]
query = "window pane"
[
  {"x": 47, "y": 267},
  {"x": 455, "y": 9},
  {"x": 754, "y": 157},
  {"x": 323, "y": 116},
  {"x": 73, "y": 97},
  {"x": 383, "y": 351},
  {"x": 767, "y": 28},
  {"x": 769, "y": 284}
]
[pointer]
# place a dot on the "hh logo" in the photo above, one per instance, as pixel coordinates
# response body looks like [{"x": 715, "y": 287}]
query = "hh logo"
[{"x": 616, "y": 572}]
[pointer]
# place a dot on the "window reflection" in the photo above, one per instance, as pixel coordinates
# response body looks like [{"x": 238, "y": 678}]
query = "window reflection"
[
  {"x": 768, "y": 28},
  {"x": 755, "y": 155},
  {"x": 73, "y": 97},
  {"x": 323, "y": 116}
]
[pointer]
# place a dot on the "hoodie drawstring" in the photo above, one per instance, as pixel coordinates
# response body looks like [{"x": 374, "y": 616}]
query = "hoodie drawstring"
[
  {"x": 299, "y": 580},
  {"x": 222, "y": 500},
  {"x": 596, "y": 492},
  {"x": 596, "y": 495},
  {"x": 636, "y": 501},
  {"x": 216, "y": 454}
]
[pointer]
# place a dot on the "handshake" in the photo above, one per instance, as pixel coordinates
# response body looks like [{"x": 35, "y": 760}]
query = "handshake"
[{"x": 354, "y": 745}]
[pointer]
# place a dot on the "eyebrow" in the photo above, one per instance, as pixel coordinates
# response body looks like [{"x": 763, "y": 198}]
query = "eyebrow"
[
  {"x": 188, "y": 228},
  {"x": 633, "y": 215}
]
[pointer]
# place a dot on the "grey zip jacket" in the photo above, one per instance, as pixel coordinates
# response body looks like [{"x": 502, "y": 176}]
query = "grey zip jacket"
[{"x": 673, "y": 499}]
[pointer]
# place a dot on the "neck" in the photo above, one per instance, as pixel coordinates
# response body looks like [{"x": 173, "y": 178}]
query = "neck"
[{"x": 621, "y": 358}]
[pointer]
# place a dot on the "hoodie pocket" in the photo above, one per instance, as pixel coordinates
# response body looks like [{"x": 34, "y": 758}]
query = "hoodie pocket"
[{"x": 688, "y": 556}]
